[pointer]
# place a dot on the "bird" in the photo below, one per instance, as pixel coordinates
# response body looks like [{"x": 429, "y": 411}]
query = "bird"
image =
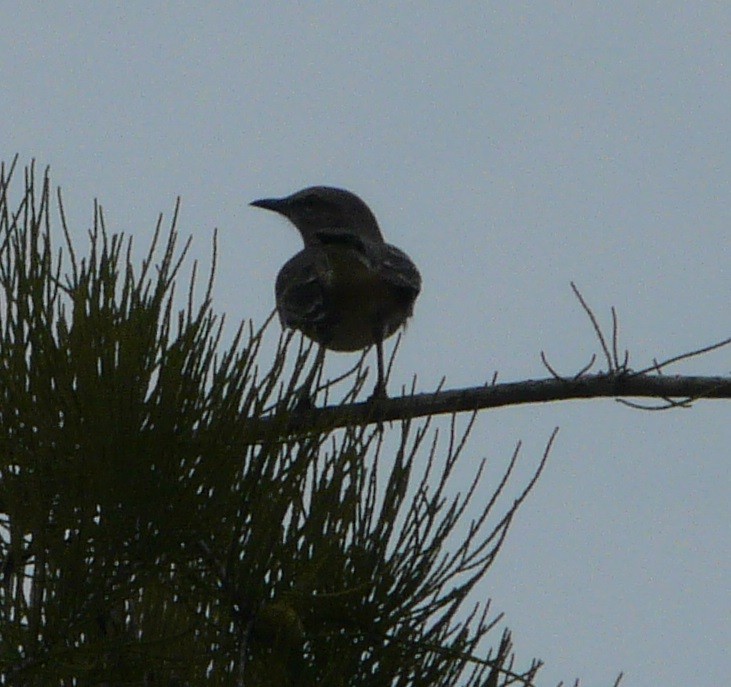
[{"x": 347, "y": 289}]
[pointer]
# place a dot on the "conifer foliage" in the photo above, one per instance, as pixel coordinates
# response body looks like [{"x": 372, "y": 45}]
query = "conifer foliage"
[{"x": 152, "y": 534}]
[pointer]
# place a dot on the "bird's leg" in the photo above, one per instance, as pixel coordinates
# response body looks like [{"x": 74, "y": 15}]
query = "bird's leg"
[
  {"x": 380, "y": 390},
  {"x": 306, "y": 400}
]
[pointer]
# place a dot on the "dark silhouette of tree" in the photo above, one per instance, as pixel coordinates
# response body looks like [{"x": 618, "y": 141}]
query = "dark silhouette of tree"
[{"x": 170, "y": 514}]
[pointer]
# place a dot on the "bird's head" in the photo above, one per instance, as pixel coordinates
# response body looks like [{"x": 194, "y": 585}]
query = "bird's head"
[{"x": 324, "y": 210}]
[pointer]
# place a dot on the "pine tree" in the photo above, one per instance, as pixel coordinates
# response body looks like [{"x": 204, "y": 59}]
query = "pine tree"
[{"x": 162, "y": 524}]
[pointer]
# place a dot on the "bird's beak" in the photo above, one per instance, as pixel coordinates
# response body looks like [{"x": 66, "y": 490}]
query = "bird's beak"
[{"x": 274, "y": 204}]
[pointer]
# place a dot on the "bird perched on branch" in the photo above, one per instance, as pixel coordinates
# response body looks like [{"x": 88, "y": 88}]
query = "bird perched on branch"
[{"x": 347, "y": 289}]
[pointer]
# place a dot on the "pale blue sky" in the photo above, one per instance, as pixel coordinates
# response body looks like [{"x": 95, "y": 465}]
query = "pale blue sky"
[{"x": 509, "y": 148}]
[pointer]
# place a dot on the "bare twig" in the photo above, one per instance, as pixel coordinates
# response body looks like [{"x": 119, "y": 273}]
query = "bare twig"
[
  {"x": 548, "y": 366},
  {"x": 668, "y": 405},
  {"x": 597, "y": 328},
  {"x": 586, "y": 367},
  {"x": 623, "y": 365},
  {"x": 683, "y": 356}
]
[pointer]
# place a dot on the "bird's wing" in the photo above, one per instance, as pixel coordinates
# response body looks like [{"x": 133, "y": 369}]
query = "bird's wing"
[
  {"x": 299, "y": 291},
  {"x": 390, "y": 262},
  {"x": 398, "y": 268}
]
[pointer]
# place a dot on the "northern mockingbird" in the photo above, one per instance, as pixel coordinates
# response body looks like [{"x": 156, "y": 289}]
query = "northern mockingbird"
[{"x": 347, "y": 289}]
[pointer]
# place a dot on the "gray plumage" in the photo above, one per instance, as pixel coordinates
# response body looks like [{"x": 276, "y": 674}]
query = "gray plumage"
[{"x": 347, "y": 289}]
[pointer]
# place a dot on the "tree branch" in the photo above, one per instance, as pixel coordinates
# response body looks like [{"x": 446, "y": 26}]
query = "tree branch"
[{"x": 603, "y": 385}]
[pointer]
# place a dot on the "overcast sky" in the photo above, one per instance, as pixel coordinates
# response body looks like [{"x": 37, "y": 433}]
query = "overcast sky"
[{"x": 509, "y": 148}]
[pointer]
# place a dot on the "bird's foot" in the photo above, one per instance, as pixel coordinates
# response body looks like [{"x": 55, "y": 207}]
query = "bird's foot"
[
  {"x": 305, "y": 401},
  {"x": 379, "y": 392}
]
